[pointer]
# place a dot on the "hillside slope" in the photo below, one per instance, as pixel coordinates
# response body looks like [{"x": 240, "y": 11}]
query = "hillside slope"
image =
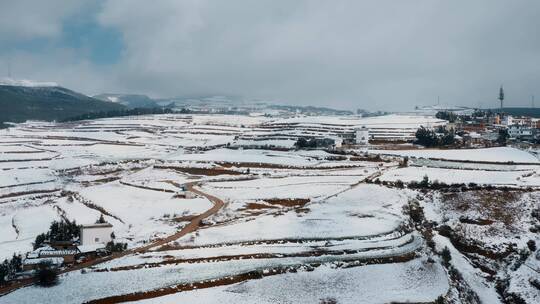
[
  {"x": 21, "y": 103},
  {"x": 129, "y": 100}
]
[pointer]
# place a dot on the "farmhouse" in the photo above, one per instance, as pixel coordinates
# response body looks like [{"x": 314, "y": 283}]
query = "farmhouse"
[
  {"x": 96, "y": 234},
  {"x": 184, "y": 193},
  {"x": 31, "y": 264},
  {"x": 362, "y": 135},
  {"x": 50, "y": 255}
]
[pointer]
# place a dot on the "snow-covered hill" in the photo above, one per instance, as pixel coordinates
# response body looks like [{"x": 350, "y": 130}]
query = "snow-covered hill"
[{"x": 26, "y": 83}]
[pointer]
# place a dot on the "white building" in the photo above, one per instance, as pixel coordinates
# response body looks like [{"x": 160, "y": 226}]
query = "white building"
[
  {"x": 517, "y": 131},
  {"x": 361, "y": 136},
  {"x": 507, "y": 120},
  {"x": 96, "y": 234},
  {"x": 338, "y": 142}
]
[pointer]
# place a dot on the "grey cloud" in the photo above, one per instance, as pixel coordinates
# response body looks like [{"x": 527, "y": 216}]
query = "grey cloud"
[
  {"x": 27, "y": 19},
  {"x": 382, "y": 54}
]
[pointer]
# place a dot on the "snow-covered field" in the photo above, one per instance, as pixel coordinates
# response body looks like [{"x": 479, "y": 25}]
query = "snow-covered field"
[
  {"x": 455, "y": 176},
  {"x": 496, "y": 155},
  {"x": 415, "y": 281},
  {"x": 309, "y": 224},
  {"x": 144, "y": 214},
  {"x": 364, "y": 211}
]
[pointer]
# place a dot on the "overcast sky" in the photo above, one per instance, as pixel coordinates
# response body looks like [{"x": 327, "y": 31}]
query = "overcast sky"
[{"x": 388, "y": 55}]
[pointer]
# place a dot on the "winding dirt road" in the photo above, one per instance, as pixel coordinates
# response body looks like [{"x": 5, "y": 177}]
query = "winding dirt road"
[{"x": 192, "y": 226}]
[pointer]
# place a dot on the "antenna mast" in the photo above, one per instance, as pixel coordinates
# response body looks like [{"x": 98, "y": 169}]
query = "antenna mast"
[{"x": 501, "y": 96}]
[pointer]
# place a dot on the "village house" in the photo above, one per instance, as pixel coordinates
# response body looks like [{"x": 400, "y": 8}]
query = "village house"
[
  {"x": 362, "y": 136},
  {"x": 100, "y": 233},
  {"x": 48, "y": 254},
  {"x": 33, "y": 264},
  {"x": 520, "y": 132},
  {"x": 93, "y": 241},
  {"x": 184, "y": 193}
]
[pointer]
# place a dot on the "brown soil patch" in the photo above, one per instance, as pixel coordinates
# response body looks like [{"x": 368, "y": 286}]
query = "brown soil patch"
[
  {"x": 100, "y": 181},
  {"x": 494, "y": 206},
  {"x": 14, "y": 194},
  {"x": 257, "y": 206},
  {"x": 471, "y": 247},
  {"x": 288, "y": 202},
  {"x": 201, "y": 171}
]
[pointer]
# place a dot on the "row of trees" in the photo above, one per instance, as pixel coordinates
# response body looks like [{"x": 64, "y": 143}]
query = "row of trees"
[
  {"x": 453, "y": 117},
  {"x": 443, "y": 138},
  {"x": 447, "y": 115},
  {"x": 314, "y": 143},
  {"x": 431, "y": 138},
  {"x": 126, "y": 112}
]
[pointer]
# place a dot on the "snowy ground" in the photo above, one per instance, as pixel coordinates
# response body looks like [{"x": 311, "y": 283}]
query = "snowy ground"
[
  {"x": 499, "y": 154},
  {"x": 307, "y": 211},
  {"x": 455, "y": 176},
  {"x": 415, "y": 281}
]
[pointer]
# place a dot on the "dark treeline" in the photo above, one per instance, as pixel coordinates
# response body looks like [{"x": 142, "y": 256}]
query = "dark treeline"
[
  {"x": 9, "y": 268},
  {"x": 126, "y": 112},
  {"x": 58, "y": 231},
  {"x": 303, "y": 143},
  {"x": 434, "y": 138}
]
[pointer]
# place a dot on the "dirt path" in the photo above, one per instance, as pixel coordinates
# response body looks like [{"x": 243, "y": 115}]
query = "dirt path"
[
  {"x": 192, "y": 226},
  {"x": 371, "y": 177}
]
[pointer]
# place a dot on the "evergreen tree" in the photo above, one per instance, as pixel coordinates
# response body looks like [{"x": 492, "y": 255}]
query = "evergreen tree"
[
  {"x": 503, "y": 136},
  {"x": 46, "y": 275},
  {"x": 426, "y": 137},
  {"x": 446, "y": 256},
  {"x": 58, "y": 231},
  {"x": 101, "y": 219}
]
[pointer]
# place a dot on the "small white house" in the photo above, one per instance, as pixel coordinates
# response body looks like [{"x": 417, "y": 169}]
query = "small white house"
[
  {"x": 96, "y": 234},
  {"x": 361, "y": 135},
  {"x": 184, "y": 193},
  {"x": 338, "y": 142}
]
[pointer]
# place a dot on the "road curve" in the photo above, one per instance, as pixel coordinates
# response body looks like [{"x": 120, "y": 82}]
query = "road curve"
[{"x": 192, "y": 226}]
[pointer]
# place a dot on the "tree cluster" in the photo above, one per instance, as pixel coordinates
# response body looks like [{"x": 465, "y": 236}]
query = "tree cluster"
[
  {"x": 503, "y": 136},
  {"x": 115, "y": 247},
  {"x": 9, "y": 267},
  {"x": 46, "y": 275},
  {"x": 430, "y": 138},
  {"x": 59, "y": 231},
  {"x": 125, "y": 112},
  {"x": 447, "y": 115},
  {"x": 314, "y": 143}
]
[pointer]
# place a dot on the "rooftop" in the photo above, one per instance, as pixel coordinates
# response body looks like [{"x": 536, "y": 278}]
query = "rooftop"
[{"x": 97, "y": 225}]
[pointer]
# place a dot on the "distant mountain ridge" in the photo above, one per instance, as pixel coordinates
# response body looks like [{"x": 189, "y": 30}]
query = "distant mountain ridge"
[
  {"x": 129, "y": 100},
  {"x": 26, "y": 83},
  {"x": 26, "y": 100},
  {"x": 520, "y": 111}
]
